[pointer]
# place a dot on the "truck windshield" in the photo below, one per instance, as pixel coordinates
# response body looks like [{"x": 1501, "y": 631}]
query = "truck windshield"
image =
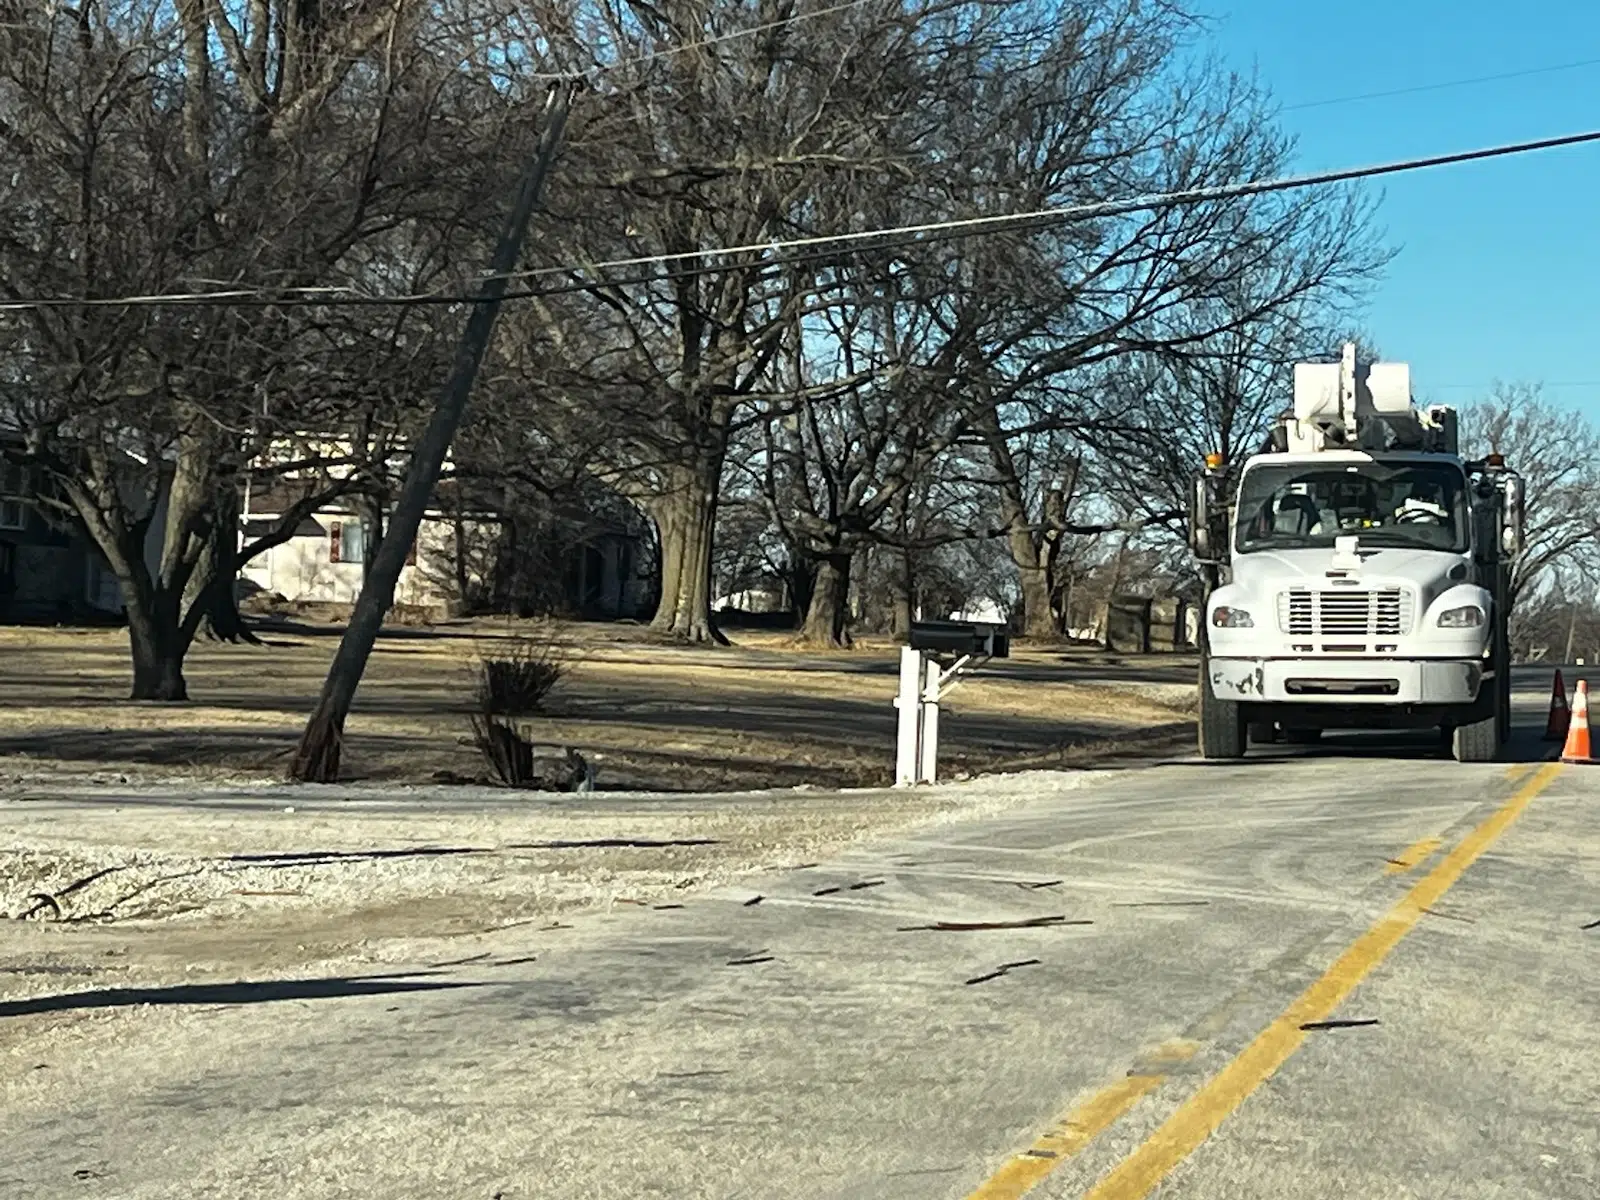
[{"x": 1286, "y": 506}]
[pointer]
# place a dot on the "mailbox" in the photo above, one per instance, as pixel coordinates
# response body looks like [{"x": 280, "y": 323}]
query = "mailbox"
[{"x": 960, "y": 638}]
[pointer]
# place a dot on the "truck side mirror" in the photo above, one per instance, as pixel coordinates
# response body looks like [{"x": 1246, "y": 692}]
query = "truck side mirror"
[
  {"x": 1200, "y": 516},
  {"x": 1512, "y": 531}
]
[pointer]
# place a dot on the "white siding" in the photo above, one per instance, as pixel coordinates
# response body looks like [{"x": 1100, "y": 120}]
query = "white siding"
[{"x": 300, "y": 568}]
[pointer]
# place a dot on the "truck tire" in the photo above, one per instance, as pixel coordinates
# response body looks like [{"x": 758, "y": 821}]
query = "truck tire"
[
  {"x": 1222, "y": 723},
  {"x": 1479, "y": 741}
]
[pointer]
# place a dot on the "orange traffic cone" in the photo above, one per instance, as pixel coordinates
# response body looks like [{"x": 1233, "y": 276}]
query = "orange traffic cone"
[
  {"x": 1560, "y": 716},
  {"x": 1577, "y": 747}
]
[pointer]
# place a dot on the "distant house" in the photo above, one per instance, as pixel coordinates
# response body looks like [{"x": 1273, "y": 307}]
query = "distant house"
[
  {"x": 588, "y": 555},
  {"x": 467, "y": 554},
  {"x": 607, "y": 574},
  {"x": 601, "y": 582},
  {"x": 325, "y": 559},
  {"x": 50, "y": 571}
]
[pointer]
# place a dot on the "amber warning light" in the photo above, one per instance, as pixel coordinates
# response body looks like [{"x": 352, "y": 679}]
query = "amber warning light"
[{"x": 1214, "y": 462}]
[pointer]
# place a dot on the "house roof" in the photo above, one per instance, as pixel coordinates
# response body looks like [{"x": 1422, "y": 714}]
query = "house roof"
[{"x": 277, "y": 496}]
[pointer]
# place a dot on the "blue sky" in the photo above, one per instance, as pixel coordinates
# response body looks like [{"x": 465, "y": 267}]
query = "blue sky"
[{"x": 1498, "y": 274}]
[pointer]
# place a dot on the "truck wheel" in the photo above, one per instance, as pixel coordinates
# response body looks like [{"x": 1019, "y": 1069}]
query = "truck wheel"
[
  {"x": 1479, "y": 741},
  {"x": 1222, "y": 723}
]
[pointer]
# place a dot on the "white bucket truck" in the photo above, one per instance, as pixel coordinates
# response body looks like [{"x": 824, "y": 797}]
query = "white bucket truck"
[{"x": 1358, "y": 572}]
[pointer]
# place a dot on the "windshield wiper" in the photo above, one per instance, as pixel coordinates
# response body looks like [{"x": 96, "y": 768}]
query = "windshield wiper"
[
  {"x": 1281, "y": 541},
  {"x": 1394, "y": 538}
]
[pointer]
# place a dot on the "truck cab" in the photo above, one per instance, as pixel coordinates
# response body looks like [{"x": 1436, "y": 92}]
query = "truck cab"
[{"x": 1357, "y": 572}]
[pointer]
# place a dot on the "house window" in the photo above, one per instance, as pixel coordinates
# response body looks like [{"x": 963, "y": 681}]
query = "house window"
[
  {"x": 13, "y": 488},
  {"x": 347, "y": 542}
]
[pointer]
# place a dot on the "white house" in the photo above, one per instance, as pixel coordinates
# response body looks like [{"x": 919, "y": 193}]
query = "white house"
[
  {"x": 461, "y": 550},
  {"x": 326, "y": 558}
]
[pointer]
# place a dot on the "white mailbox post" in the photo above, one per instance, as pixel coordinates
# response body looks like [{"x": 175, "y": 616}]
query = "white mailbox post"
[{"x": 924, "y": 680}]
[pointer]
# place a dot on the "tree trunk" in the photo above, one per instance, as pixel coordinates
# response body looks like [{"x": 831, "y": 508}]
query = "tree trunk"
[
  {"x": 317, "y": 758},
  {"x": 827, "y": 616},
  {"x": 1033, "y": 578},
  {"x": 686, "y": 520},
  {"x": 158, "y": 651},
  {"x": 1112, "y": 591},
  {"x": 213, "y": 586},
  {"x": 222, "y": 621},
  {"x": 1031, "y": 553},
  {"x": 800, "y": 576},
  {"x": 904, "y": 607},
  {"x": 1068, "y": 586},
  {"x": 374, "y": 508},
  {"x": 1032, "y": 556}
]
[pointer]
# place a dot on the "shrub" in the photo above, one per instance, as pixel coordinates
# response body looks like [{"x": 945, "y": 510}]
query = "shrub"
[
  {"x": 517, "y": 681},
  {"x": 517, "y": 762}
]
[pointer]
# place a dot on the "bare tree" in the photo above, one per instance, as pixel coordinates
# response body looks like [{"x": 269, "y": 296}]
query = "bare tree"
[
  {"x": 180, "y": 148},
  {"x": 1557, "y": 452},
  {"x": 844, "y": 119},
  {"x": 317, "y": 757}
]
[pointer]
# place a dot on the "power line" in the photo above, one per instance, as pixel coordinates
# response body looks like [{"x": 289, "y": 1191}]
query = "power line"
[
  {"x": 1046, "y": 216},
  {"x": 818, "y": 246},
  {"x": 1441, "y": 86},
  {"x": 1567, "y": 383}
]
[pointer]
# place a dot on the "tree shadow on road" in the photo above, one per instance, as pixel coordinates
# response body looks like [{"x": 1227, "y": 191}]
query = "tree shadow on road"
[{"x": 240, "y": 992}]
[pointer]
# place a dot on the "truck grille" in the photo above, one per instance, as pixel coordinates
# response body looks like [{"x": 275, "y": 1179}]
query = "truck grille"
[{"x": 1303, "y": 612}]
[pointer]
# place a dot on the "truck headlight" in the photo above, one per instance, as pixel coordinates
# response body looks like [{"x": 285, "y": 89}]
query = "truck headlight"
[
  {"x": 1468, "y": 616},
  {"x": 1224, "y": 617}
]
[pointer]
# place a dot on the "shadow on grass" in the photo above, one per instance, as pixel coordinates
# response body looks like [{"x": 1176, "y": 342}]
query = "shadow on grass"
[{"x": 394, "y": 759}]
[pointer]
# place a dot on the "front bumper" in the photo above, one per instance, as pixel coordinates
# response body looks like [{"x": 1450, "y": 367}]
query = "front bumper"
[{"x": 1341, "y": 681}]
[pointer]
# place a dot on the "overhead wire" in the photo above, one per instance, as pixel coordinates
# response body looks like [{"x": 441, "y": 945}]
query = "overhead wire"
[
  {"x": 1442, "y": 85},
  {"x": 1052, "y": 215},
  {"x": 1560, "y": 383},
  {"x": 812, "y": 247}
]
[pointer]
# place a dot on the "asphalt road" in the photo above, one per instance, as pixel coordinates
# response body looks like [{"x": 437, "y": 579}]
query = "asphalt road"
[{"x": 1144, "y": 1036}]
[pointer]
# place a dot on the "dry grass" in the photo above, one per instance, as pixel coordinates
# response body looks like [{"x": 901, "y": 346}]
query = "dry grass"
[{"x": 652, "y": 716}]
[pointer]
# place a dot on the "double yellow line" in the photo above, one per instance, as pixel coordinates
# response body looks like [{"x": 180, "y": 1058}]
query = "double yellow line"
[{"x": 1199, "y": 1116}]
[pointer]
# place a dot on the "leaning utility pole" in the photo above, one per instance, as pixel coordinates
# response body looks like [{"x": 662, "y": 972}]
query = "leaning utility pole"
[{"x": 317, "y": 759}]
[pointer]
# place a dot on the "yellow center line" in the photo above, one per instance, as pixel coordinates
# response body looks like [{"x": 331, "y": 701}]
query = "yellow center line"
[
  {"x": 1198, "y": 1117},
  {"x": 1412, "y": 855},
  {"x": 1081, "y": 1126}
]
